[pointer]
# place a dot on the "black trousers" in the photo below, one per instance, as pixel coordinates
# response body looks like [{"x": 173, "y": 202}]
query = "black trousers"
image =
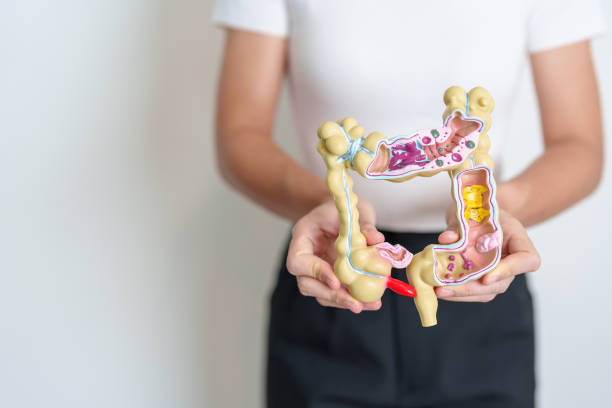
[{"x": 479, "y": 354}]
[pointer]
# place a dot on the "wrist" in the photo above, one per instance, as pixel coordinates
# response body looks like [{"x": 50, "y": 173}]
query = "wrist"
[
  {"x": 512, "y": 196},
  {"x": 304, "y": 194}
]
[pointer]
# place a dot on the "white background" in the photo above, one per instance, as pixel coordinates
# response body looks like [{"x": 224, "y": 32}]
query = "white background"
[{"x": 130, "y": 276}]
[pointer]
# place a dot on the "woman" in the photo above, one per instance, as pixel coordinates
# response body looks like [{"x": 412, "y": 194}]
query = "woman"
[{"x": 386, "y": 63}]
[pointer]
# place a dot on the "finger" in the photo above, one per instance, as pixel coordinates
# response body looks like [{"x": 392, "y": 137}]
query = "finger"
[
  {"x": 373, "y": 236},
  {"x": 372, "y": 305},
  {"x": 448, "y": 237},
  {"x": 451, "y": 234},
  {"x": 366, "y": 306},
  {"x": 451, "y": 219},
  {"x": 367, "y": 215},
  {"x": 473, "y": 289},
  {"x": 325, "y": 303},
  {"x": 302, "y": 262},
  {"x": 312, "y": 287},
  {"x": 367, "y": 223},
  {"x": 514, "y": 264},
  {"x": 465, "y": 299}
]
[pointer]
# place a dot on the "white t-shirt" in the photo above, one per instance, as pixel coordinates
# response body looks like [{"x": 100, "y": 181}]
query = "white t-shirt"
[{"x": 387, "y": 63}]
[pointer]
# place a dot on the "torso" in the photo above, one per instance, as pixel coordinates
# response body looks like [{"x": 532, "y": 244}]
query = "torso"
[{"x": 387, "y": 63}]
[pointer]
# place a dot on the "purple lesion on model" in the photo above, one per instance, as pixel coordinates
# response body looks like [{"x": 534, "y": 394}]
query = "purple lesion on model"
[
  {"x": 468, "y": 264},
  {"x": 406, "y": 154}
]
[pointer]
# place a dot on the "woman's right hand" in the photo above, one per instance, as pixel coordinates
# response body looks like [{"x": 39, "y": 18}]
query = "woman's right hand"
[{"x": 312, "y": 254}]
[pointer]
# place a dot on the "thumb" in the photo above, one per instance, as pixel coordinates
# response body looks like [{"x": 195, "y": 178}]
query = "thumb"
[
  {"x": 372, "y": 235},
  {"x": 451, "y": 234},
  {"x": 448, "y": 237}
]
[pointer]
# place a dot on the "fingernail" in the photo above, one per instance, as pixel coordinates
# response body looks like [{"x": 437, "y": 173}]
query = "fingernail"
[
  {"x": 445, "y": 293},
  {"x": 351, "y": 305}
]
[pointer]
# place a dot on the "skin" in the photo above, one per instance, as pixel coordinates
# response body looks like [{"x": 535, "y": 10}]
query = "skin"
[
  {"x": 313, "y": 255},
  {"x": 249, "y": 86},
  {"x": 570, "y": 113}
]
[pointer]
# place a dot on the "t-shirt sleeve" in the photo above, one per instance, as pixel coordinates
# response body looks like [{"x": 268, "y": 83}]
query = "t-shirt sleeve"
[
  {"x": 262, "y": 16},
  {"x": 555, "y": 23}
]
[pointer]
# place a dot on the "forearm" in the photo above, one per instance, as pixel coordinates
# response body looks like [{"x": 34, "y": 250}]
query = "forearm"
[
  {"x": 253, "y": 164},
  {"x": 570, "y": 167},
  {"x": 563, "y": 175}
]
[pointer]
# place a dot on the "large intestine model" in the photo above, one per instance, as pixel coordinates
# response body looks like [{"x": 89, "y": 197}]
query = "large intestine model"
[{"x": 460, "y": 148}]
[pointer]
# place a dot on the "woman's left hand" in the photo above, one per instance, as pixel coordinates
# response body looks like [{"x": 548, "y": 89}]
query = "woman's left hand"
[{"x": 518, "y": 256}]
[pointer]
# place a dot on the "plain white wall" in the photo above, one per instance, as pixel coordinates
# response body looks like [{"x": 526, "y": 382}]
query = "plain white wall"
[
  {"x": 130, "y": 276},
  {"x": 105, "y": 290}
]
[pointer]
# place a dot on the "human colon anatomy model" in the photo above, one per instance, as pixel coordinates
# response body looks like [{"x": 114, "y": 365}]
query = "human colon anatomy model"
[{"x": 459, "y": 148}]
